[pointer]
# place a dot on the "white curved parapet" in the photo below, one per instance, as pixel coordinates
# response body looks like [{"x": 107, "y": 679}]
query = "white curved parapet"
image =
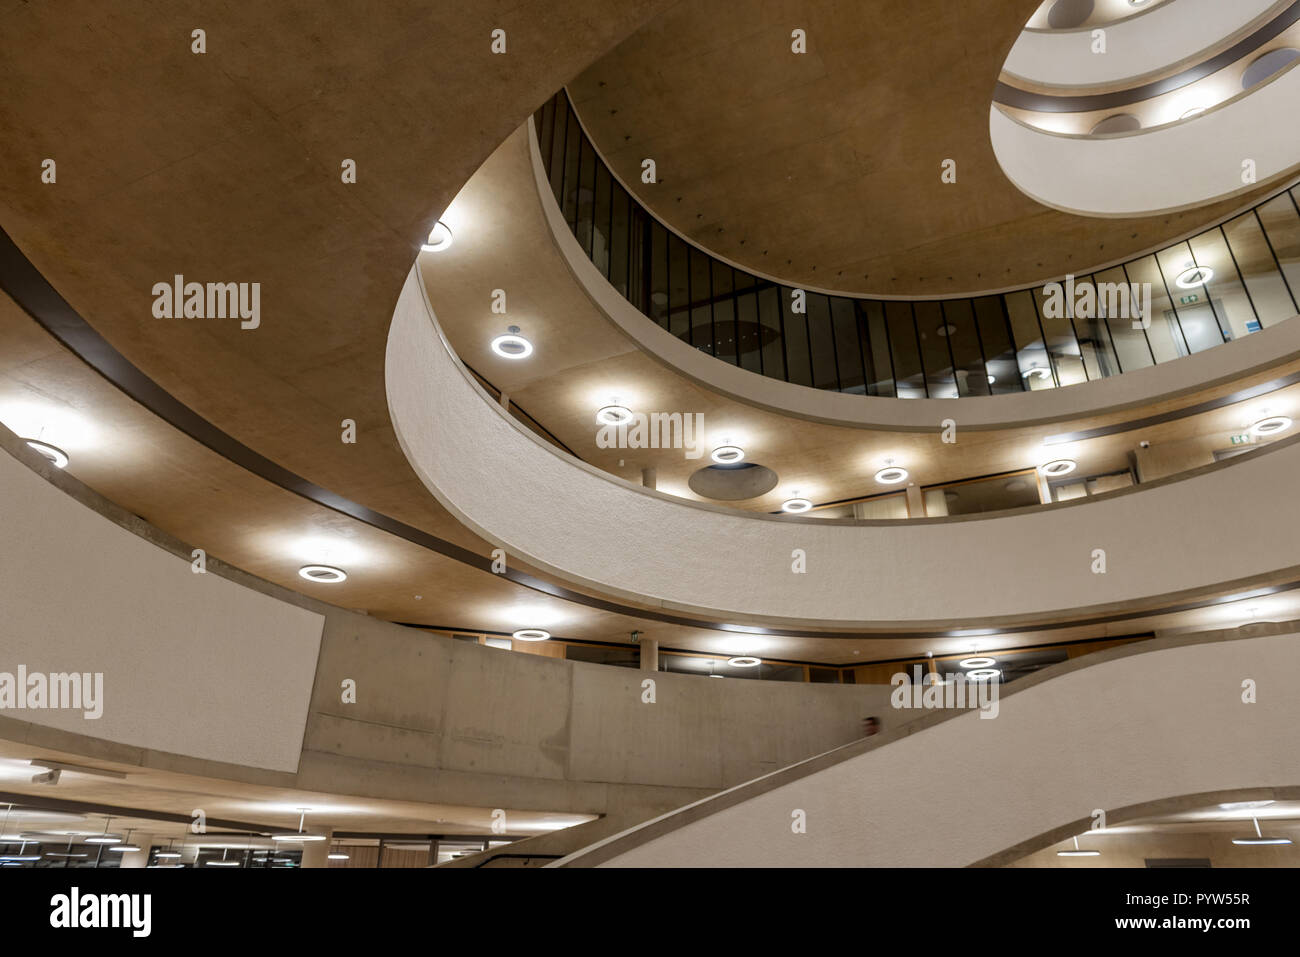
[
  {"x": 598, "y": 531},
  {"x": 1135, "y": 47},
  {"x": 1137, "y": 730},
  {"x": 1158, "y": 170}
]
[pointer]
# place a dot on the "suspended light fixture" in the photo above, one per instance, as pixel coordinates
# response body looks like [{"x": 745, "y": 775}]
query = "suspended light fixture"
[
  {"x": 744, "y": 661},
  {"x": 1058, "y": 467},
  {"x": 55, "y": 455},
  {"x": 105, "y": 838},
  {"x": 891, "y": 474},
  {"x": 531, "y": 634},
  {"x": 300, "y": 836},
  {"x": 439, "y": 238},
  {"x": 1270, "y": 426},
  {"x": 1259, "y": 838},
  {"x": 728, "y": 455},
  {"x": 512, "y": 345},
  {"x": 1194, "y": 276},
  {"x": 977, "y": 662},
  {"x": 323, "y": 574},
  {"x": 1078, "y": 852},
  {"x": 224, "y": 862},
  {"x": 614, "y": 415}
]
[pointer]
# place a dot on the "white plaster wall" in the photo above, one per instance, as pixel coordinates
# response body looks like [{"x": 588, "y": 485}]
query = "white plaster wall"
[
  {"x": 193, "y": 664},
  {"x": 594, "y": 529},
  {"x": 1129, "y": 731},
  {"x": 1158, "y": 170},
  {"x": 1136, "y": 46}
]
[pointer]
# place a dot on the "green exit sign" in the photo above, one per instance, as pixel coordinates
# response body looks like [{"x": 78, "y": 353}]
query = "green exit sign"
[
  {"x": 1189, "y": 299},
  {"x": 1241, "y": 439}
]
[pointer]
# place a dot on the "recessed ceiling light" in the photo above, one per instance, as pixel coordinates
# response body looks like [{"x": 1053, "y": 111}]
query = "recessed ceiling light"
[
  {"x": 977, "y": 662},
  {"x": 992, "y": 379},
  {"x": 744, "y": 661},
  {"x": 531, "y": 634},
  {"x": 1194, "y": 276},
  {"x": 325, "y": 574},
  {"x": 982, "y": 674},
  {"x": 337, "y": 857},
  {"x": 891, "y": 475},
  {"x": 728, "y": 454},
  {"x": 1271, "y": 426},
  {"x": 56, "y": 455},
  {"x": 614, "y": 415},
  {"x": 512, "y": 345},
  {"x": 1059, "y": 467},
  {"x": 796, "y": 505},
  {"x": 439, "y": 238}
]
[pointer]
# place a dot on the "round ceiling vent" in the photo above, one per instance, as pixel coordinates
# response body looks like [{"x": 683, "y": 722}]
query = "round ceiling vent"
[
  {"x": 1267, "y": 66},
  {"x": 732, "y": 483},
  {"x": 1119, "y": 123},
  {"x": 1068, "y": 14}
]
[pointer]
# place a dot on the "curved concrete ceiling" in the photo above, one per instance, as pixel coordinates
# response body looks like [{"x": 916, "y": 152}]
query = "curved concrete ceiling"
[{"x": 823, "y": 169}]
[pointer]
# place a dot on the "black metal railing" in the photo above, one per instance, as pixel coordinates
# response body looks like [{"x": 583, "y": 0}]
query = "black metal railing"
[{"x": 1222, "y": 284}]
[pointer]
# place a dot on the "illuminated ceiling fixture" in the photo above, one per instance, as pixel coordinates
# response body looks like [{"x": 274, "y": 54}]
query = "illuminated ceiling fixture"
[
  {"x": 1194, "y": 111},
  {"x": 531, "y": 634},
  {"x": 337, "y": 857},
  {"x": 796, "y": 505},
  {"x": 57, "y": 457},
  {"x": 1194, "y": 276},
  {"x": 439, "y": 238},
  {"x": 977, "y": 662},
  {"x": 728, "y": 455},
  {"x": 1078, "y": 852},
  {"x": 614, "y": 415},
  {"x": 299, "y": 836},
  {"x": 946, "y": 330},
  {"x": 744, "y": 661},
  {"x": 983, "y": 674},
  {"x": 1271, "y": 426},
  {"x": 223, "y": 862},
  {"x": 1037, "y": 372},
  {"x": 324, "y": 574},
  {"x": 1259, "y": 838},
  {"x": 891, "y": 474},
  {"x": 1058, "y": 467},
  {"x": 512, "y": 345},
  {"x": 992, "y": 379}
]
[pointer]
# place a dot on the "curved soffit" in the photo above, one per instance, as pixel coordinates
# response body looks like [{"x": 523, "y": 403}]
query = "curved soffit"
[{"x": 822, "y": 170}]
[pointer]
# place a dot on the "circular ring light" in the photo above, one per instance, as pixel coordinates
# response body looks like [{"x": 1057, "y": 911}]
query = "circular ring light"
[
  {"x": 1058, "y": 467},
  {"x": 982, "y": 674},
  {"x": 728, "y": 455},
  {"x": 531, "y": 634},
  {"x": 1037, "y": 372},
  {"x": 977, "y": 662},
  {"x": 744, "y": 661},
  {"x": 614, "y": 415},
  {"x": 891, "y": 475},
  {"x": 512, "y": 346},
  {"x": 1194, "y": 276},
  {"x": 1271, "y": 426},
  {"x": 439, "y": 238},
  {"x": 796, "y": 505},
  {"x": 53, "y": 453},
  {"x": 323, "y": 574}
]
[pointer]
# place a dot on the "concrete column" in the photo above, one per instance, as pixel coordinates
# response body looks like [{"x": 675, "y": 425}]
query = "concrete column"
[
  {"x": 649, "y": 654},
  {"x": 648, "y": 478},
  {"x": 915, "y": 502},
  {"x": 316, "y": 853},
  {"x": 138, "y": 858}
]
